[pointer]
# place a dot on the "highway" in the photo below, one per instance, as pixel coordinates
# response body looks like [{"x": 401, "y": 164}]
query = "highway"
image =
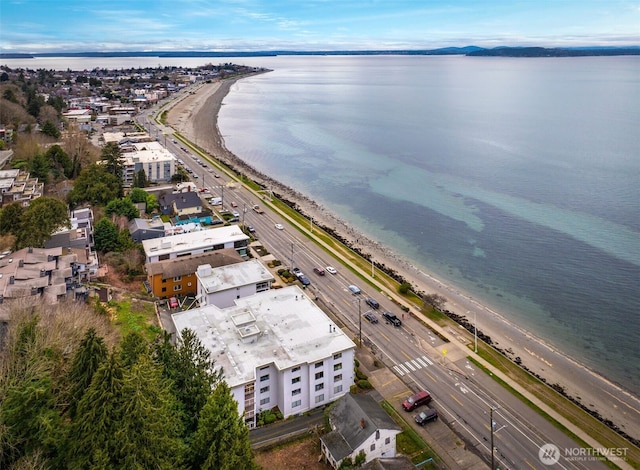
[{"x": 471, "y": 403}]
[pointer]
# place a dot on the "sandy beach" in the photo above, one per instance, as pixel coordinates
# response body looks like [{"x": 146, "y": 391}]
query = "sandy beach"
[{"x": 195, "y": 117}]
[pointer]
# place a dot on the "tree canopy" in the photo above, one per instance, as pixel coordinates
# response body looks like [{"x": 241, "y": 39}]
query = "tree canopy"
[
  {"x": 96, "y": 186},
  {"x": 40, "y": 220}
]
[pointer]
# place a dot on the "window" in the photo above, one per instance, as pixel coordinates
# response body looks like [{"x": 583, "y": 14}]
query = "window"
[
  {"x": 295, "y": 369},
  {"x": 164, "y": 289},
  {"x": 377, "y": 434},
  {"x": 264, "y": 378},
  {"x": 264, "y": 389},
  {"x": 337, "y": 389},
  {"x": 373, "y": 447},
  {"x": 177, "y": 287},
  {"x": 337, "y": 366},
  {"x": 319, "y": 387},
  {"x": 319, "y": 364},
  {"x": 177, "y": 279},
  {"x": 387, "y": 440},
  {"x": 295, "y": 392},
  {"x": 295, "y": 380},
  {"x": 337, "y": 356},
  {"x": 264, "y": 401},
  {"x": 320, "y": 398},
  {"x": 296, "y": 403},
  {"x": 337, "y": 378},
  {"x": 319, "y": 375}
]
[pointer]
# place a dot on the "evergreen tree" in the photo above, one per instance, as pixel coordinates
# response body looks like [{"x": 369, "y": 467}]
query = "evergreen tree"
[
  {"x": 10, "y": 218},
  {"x": 50, "y": 128},
  {"x": 90, "y": 355},
  {"x": 192, "y": 372},
  {"x": 149, "y": 434},
  {"x": 40, "y": 220},
  {"x": 39, "y": 166},
  {"x": 140, "y": 180},
  {"x": 133, "y": 347},
  {"x": 59, "y": 161},
  {"x": 122, "y": 207},
  {"x": 222, "y": 439},
  {"x": 105, "y": 235},
  {"x": 96, "y": 186},
  {"x": 99, "y": 417},
  {"x": 112, "y": 157}
]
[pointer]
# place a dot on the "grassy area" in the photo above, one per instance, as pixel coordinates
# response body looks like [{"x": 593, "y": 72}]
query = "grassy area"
[{"x": 135, "y": 316}]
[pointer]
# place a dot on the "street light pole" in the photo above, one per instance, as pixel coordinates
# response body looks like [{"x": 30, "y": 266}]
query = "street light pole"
[
  {"x": 492, "y": 427},
  {"x": 373, "y": 274}
]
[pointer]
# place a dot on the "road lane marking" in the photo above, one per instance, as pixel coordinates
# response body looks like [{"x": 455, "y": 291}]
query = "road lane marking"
[
  {"x": 404, "y": 368},
  {"x": 406, "y": 355},
  {"x": 427, "y": 360},
  {"x": 398, "y": 370},
  {"x": 419, "y": 361},
  {"x": 458, "y": 401},
  {"x": 385, "y": 337},
  {"x": 410, "y": 366},
  {"x": 418, "y": 366}
]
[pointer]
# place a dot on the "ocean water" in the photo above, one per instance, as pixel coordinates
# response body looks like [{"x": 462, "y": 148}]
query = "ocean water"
[{"x": 517, "y": 180}]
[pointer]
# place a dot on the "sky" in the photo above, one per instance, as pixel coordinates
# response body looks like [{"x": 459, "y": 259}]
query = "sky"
[{"x": 37, "y": 26}]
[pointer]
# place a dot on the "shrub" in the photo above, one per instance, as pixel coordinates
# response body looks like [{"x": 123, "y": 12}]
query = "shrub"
[{"x": 364, "y": 384}]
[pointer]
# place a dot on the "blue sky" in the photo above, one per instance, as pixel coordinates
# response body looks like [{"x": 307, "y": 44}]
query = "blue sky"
[{"x": 246, "y": 25}]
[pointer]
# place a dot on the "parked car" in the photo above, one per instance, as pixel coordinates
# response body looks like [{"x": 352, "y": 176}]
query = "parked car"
[
  {"x": 373, "y": 303},
  {"x": 370, "y": 317},
  {"x": 304, "y": 280},
  {"x": 354, "y": 289},
  {"x": 391, "y": 318},
  {"x": 331, "y": 270},
  {"x": 318, "y": 271},
  {"x": 251, "y": 229},
  {"x": 173, "y": 302},
  {"x": 421, "y": 398},
  {"x": 297, "y": 272},
  {"x": 425, "y": 416}
]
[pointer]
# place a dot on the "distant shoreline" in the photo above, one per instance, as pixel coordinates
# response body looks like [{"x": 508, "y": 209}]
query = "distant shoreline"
[{"x": 467, "y": 50}]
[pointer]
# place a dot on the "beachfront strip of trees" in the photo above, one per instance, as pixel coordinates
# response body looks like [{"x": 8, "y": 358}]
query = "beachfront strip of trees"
[{"x": 73, "y": 398}]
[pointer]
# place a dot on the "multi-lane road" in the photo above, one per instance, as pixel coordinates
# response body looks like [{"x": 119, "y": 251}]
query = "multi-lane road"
[{"x": 470, "y": 402}]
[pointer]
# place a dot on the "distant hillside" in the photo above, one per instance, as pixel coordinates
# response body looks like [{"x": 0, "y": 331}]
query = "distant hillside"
[
  {"x": 555, "y": 52},
  {"x": 467, "y": 50}
]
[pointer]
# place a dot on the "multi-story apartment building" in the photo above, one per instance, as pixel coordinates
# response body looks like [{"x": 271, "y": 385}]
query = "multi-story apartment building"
[
  {"x": 277, "y": 348},
  {"x": 157, "y": 162},
  {"x": 193, "y": 243}
]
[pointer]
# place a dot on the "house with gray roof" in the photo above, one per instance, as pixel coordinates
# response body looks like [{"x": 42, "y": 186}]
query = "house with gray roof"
[
  {"x": 146, "y": 229},
  {"x": 359, "y": 424}
]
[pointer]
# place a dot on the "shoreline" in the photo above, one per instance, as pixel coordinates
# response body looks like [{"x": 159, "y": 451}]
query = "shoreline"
[{"x": 196, "y": 118}]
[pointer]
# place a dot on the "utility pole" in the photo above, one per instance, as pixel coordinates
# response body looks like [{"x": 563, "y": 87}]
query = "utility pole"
[{"x": 475, "y": 329}]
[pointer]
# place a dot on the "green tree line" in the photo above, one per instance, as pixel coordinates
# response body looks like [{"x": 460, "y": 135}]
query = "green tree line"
[{"x": 73, "y": 397}]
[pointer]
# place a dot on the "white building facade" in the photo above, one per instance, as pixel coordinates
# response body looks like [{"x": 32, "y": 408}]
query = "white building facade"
[{"x": 277, "y": 349}]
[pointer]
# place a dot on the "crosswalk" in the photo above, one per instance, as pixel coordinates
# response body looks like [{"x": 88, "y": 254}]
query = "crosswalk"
[{"x": 412, "y": 365}]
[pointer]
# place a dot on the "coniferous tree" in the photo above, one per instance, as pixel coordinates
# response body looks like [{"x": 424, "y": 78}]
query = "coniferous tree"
[
  {"x": 90, "y": 355},
  {"x": 221, "y": 441},
  {"x": 105, "y": 235},
  {"x": 133, "y": 346},
  {"x": 99, "y": 417},
  {"x": 192, "y": 372},
  {"x": 112, "y": 157},
  {"x": 10, "y": 217}
]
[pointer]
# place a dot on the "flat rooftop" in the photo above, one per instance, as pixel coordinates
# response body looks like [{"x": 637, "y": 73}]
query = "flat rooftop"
[
  {"x": 233, "y": 275},
  {"x": 279, "y": 326}
]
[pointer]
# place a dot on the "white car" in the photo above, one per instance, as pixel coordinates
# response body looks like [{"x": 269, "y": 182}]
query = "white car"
[
  {"x": 279, "y": 226},
  {"x": 331, "y": 270}
]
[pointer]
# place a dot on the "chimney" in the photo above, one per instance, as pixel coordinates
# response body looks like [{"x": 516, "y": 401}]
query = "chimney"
[{"x": 363, "y": 423}]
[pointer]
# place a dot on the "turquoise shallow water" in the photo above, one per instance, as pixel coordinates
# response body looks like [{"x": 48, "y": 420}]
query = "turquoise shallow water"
[{"x": 517, "y": 180}]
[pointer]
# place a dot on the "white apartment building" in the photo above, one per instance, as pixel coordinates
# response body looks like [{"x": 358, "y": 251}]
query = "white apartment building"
[
  {"x": 276, "y": 348},
  {"x": 193, "y": 243},
  {"x": 157, "y": 162},
  {"x": 223, "y": 285}
]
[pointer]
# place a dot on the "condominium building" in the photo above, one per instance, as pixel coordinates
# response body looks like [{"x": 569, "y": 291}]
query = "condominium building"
[{"x": 276, "y": 349}]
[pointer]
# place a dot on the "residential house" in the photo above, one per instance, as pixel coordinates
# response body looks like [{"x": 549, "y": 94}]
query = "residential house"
[
  {"x": 277, "y": 349},
  {"x": 146, "y": 229},
  {"x": 359, "y": 424},
  {"x": 177, "y": 277}
]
